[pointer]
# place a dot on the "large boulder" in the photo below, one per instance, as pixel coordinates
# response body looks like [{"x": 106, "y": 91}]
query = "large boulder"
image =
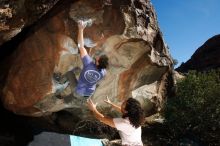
[
  {"x": 16, "y": 15},
  {"x": 126, "y": 30}
]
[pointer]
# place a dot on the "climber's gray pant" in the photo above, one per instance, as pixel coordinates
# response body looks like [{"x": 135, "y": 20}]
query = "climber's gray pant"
[{"x": 73, "y": 82}]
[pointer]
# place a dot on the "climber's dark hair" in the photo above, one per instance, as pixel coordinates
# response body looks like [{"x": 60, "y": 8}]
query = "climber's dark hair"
[
  {"x": 134, "y": 112},
  {"x": 103, "y": 62}
]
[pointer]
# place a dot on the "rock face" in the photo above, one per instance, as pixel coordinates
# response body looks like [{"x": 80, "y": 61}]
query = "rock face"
[
  {"x": 206, "y": 57},
  {"x": 125, "y": 30},
  {"x": 15, "y": 15}
]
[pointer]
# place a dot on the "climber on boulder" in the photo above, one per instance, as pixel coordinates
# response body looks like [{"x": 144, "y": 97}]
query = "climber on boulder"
[{"x": 92, "y": 71}]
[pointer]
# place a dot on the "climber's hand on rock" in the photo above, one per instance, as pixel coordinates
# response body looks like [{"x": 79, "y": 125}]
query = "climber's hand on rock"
[{"x": 81, "y": 25}]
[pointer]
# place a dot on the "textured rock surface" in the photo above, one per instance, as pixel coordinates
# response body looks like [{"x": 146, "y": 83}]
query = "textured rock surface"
[
  {"x": 206, "y": 57},
  {"x": 15, "y": 15},
  {"x": 127, "y": 31}
]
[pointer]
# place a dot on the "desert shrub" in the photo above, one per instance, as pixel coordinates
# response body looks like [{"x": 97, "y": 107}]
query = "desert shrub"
[{"x": 196, "y": 108}]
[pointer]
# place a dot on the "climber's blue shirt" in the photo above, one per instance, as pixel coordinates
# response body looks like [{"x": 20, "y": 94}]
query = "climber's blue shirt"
[{"x": 89, "y": 77}]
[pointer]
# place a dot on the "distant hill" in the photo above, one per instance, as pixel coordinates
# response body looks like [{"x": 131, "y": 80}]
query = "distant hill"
[{"x": 205, "y": 57}]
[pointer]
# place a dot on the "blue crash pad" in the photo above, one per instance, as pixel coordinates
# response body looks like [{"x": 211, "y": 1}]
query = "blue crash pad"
[
  {"x": 83, "y": 141},
  {"x": 57, "y": 139}
]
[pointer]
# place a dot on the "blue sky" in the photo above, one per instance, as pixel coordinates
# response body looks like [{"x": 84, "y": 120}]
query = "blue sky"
[{"x": 187, "y": 24}]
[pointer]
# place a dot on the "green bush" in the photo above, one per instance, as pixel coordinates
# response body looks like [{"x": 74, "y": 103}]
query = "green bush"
[{"x": 196, "y": 108}]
